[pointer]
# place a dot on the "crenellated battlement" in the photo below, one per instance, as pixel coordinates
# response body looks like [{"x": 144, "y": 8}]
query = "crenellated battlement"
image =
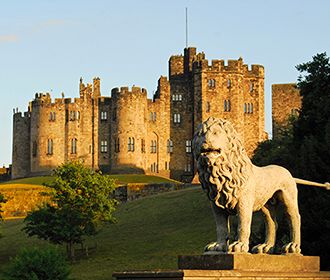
[
  {"x": 126, "y": 91},
  {"x": 20, "y": 115},
  {"x": 232, "y": 66}
]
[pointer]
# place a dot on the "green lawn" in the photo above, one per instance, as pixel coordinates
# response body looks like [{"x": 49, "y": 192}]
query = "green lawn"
[
  {"x": 150, "y": 233},
  {"x": 120, "y": 179}
]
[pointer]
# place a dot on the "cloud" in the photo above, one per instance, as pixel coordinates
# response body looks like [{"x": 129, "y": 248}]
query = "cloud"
[{"x": 9, "y": 38}]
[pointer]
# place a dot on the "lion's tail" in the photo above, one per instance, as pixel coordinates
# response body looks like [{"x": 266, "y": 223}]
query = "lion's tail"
[{"x": 310, "y": 183}]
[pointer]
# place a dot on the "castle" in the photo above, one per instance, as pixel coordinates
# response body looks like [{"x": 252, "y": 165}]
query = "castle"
[{"x": 127, "y": 132}]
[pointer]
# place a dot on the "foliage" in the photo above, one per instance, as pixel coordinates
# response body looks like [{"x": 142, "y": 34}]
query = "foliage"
[
  {"x": 38, "y": 264},
  {"x": 306, "y": 153},
  {"x": 80, "y": 204},
  {"x": 2, "y": 200}
]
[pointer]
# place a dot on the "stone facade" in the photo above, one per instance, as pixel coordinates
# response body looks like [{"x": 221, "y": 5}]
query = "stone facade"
[
  {"x": 286, "y": 102},
  {"x": 127, "y": 132}
]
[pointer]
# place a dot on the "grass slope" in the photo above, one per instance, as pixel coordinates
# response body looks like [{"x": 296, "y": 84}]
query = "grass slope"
[
  {"x": 150, "y": 234},
  {"x": 120, "y": 179}
]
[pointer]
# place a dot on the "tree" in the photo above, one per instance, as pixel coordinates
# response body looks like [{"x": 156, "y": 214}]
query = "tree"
[
  {"x": 306, "y": 153},
  {"x": 80, "y": 203},
  {"x": 2, "y": 200},
  {"x": 35, "y": 264}
]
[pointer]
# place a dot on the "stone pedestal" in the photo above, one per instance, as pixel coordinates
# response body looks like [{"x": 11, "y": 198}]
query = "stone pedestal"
[{"x": 235, "y": 267}]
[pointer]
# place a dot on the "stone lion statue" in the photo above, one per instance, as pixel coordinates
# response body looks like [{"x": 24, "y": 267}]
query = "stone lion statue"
[{"x": 235, "y": 186}]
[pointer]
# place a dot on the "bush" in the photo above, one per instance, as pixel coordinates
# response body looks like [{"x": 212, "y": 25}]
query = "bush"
[{"x": 38, "y": 264}]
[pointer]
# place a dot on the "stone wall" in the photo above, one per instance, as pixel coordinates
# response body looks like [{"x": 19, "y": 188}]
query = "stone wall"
[{"x": 286, "y": 102}]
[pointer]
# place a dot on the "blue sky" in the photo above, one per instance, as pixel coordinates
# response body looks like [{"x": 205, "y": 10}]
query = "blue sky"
[{"x": 46, "y": 46}]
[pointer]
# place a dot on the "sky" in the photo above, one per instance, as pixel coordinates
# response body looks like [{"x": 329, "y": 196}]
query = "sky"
[{"x": 46, "y": 46}]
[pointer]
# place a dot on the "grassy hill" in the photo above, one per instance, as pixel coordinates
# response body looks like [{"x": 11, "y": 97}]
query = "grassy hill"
[
  {"x": 149, "y": 234},
  {"x": 119, "y": 178}
]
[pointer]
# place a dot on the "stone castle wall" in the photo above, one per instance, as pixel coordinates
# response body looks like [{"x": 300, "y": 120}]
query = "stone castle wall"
[
  {"x": 127, "y": 132},
  {"x": 286, "y": 102}
]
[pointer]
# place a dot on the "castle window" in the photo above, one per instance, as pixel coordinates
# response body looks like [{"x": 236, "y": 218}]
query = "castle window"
[
  {"x": 180, "y": 97},
  {"x": 154, "y": 167},
  {"x": 49, "y": 147},
  {"x": 187, "y": 167},
  {"x": 104, "y": 116},
  {"x": 34, "y": 149},
  {"x": 154, "y": 118},
  {"x": 177, "y": 118},
  {"x": 153, "y": 146},
  {"x": 78, "y": 115},
  {"x": 151, "y": 116},
  {"x": 72, "y": 115},
  {"x": 245, "y": 108},
  {"x": 211, "y": 83},
  {"x": 131, "y": 144},
  {"x": 104, "y": 146},
  {"x": 74, "y": 146},
  {"x": 117, "y": 145},
  {"x": 188, "y": 146},
  {"x": 250, "y": 108},
  {"x": 143, "y": 146},
  {"x": 208, "y": 106},
  {"x": 226, "y": 105},
  {"x": 228, "y": 83},
  {"x": 251, "y": 87},
  {"x": 52, "y": 116},
  {"x": 169, "y": 146}
]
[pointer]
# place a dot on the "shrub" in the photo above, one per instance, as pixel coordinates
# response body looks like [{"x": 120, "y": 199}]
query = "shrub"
[{"x": 38, "y": 264}]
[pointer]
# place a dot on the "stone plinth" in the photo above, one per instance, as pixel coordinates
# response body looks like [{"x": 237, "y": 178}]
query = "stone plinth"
[
  {"x": 249, "y": 262},
  {"x": 235, "y": 267}
]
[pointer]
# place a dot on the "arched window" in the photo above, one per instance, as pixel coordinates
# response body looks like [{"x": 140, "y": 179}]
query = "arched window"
[
  {"x": 49, "y": 147},
  {"x": 74, "y": 146},
  {"x": 154, "y": 118},
  {"x": 245, "y": 108},
  {"x": 251, "y": 108},
  {"x": 51, "y": 116},
  {"x": 225, "y": 105}
]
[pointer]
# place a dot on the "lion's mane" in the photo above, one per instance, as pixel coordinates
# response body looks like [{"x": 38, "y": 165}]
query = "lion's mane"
[{"x": 222, "y": 178}]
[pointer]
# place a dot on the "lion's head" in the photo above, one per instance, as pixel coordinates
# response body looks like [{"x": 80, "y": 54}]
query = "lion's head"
[{"x": 222, "y": 162}]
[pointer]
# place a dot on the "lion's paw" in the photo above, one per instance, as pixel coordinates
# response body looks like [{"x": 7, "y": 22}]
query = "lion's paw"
[
  {"x": 215, "y": 247},
  {"x": 291, "y": 248},
  {"x": 238, "y": 247},
  {"x": 263, "y": 249}
]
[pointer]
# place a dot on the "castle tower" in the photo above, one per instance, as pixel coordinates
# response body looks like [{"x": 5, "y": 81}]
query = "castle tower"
[
  {"x": 21, "y": 145},
  {"x": 129, "y": 136},
  {"x": 286, "y": 102}
]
